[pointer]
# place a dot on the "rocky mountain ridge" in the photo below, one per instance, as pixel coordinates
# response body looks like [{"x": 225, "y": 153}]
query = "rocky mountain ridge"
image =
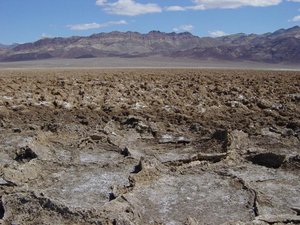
[{"x": 281, "y": 46}]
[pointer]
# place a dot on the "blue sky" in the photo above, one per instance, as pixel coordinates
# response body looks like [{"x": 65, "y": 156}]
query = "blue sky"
[{"x": 29, "y": 20}]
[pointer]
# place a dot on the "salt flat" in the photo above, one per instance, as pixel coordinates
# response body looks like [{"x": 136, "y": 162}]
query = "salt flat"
[
  {"x": 149, "y": 146},
  {"x": 146, "y": 62}
]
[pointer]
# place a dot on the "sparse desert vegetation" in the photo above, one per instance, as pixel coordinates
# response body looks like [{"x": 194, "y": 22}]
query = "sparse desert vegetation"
[{"x": 149, "y": 146}]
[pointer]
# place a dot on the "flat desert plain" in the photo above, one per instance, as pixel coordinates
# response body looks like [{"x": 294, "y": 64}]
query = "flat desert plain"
[{"x": 149, "y": 146}]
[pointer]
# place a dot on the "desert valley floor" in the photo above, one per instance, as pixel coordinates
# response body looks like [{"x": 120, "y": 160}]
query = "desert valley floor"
[{"x": 149, "y": 146}]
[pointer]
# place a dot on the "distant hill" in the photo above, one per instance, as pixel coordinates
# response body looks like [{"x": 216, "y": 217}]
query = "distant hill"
[
  {"x": 2, "y": 46},
  {"x": 280, "y": 46}
]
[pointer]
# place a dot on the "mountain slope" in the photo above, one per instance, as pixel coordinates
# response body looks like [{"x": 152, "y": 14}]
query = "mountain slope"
[
  {"x": 281, "y": 46},
  {"x": 2, "y": 46}
]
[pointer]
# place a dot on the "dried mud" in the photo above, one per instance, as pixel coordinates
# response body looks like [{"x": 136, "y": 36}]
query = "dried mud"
[{"x": 149, "y": 147}]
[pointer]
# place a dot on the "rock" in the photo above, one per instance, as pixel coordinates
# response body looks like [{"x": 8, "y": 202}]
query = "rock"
[
  {"x": 44, "y": 104},
  {"x": 17, "y": 130},
  {"x": 84, "y": 122},
  {"x": 96, "y": 137},
  {"x": 295, "y": 126},
  {"x": 277, "y": 106},
  {"x": 125, "y": 152},
  {"x": 167, "y": 108},
  {"x": 191, "y": 221},
  {"x": 18, "y": 107},
  {"x": 295, "y": 97},
  {"x": 183, "y": 140},
  {"x": 4, "y": 182},
  {"x": 285, "y": 132},
  {"x": 220, "y": 135},
  {"x": 131, "y": 121},
  {"x": 2, "y": 123},
  {"x": 63, "y": 104},
  {"x": 33, "y": 127},
  {"x": 25, "y": 154},
  {"x": 271, "y": 112},
  {"x": 297, "y": 210},
  {"x": 2, "y": 210},
  {"x": 241, "y": 97},
  {"x": 283, "y": 218},
  {"x": 67, "y": 105},
  {"x": 264, "y": 104},
  {"x": 269, "y": 160},
  {"x": 196, "y": 127},
  {"x": 52, "y": 127},
  {"x": 154, "y": 129},
  {"x": 138, "y": 105},
  {"x": 234, "y": 104},
  {"x": 167, "y": 138},
  {"x": 142, "y": 127},
  {"x": 292, "y": 163},
  {"x": 270, "y": 132}
]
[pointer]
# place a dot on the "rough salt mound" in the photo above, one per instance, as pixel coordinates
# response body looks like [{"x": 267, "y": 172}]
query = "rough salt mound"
[{"x": 149, "y": 147}]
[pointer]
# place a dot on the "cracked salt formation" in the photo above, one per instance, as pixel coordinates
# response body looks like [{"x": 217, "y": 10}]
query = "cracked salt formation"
[
  {"x": 174, "y": 198},
  {"x": 149, "y": 147},
  {"x": 85, "y": 189}
]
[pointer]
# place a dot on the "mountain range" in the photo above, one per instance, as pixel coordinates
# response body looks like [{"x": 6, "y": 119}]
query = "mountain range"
[{"x": 281, "y": 46}]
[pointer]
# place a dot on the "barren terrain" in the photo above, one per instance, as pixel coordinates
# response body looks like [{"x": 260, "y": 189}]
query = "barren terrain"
[
  {"x": 149, "y": 146},
  {"x": 145, "y": 62}
]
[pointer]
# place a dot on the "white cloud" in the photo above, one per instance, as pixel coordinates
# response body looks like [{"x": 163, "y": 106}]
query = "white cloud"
[
  {"x": 232, "y": 4},
  {"x": 295, "y": 19},
  {"x": 184, "y": 28},
  {"x": 196, "y": 7},
  {"x": 175, "y": 8},
  {"x": 128, "y": 7},
  {"x": 293, "y": 0},
  {"x": 224, "y": 4},
  {"x": 101, "y": 2},
  {"x": 44, "y": 36},
  {"x": 134, "y": 8},
  {"x": 217, "y": 33},
  {"x": 89, "y": 26}
]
